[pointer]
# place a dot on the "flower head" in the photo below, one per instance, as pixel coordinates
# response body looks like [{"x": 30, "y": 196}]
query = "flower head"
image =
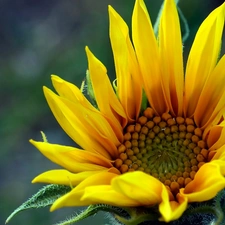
[{"x": 170, "y": 153}]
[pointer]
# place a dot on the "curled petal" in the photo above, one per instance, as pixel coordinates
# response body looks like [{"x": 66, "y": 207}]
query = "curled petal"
[
  {"x": 208, "y": 181},
  {"x": 219, "y": 154},
  {"x": 99, "y": 193},
  {"x": 216, "y": 136},
  {"x": 135, "y": 185},
  {"x": 172, "y": 210}
]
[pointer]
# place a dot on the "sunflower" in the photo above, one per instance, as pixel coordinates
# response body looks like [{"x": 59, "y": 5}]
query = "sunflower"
[{"x": 167, "y": 154}]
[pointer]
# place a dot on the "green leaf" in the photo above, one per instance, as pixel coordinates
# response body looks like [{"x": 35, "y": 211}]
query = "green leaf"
[
  {"x": 44, "y": 197},
  {"x": 93, "y": 209}
]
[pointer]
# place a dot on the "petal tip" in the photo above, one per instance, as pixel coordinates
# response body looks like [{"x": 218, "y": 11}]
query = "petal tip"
[
  {"x": 112, "y": 11},
  {"x": 110, "y": 7},
  {"x": 86, "y": 48},
  {"x": 45, "y": 89},
  {"x": 53, "y": 208}
]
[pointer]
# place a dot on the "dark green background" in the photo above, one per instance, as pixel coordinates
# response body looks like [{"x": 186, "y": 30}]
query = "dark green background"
[{"x": 37, "y": 39}]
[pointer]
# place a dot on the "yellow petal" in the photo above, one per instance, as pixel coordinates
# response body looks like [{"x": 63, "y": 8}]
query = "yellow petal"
[
  {"x": 203, "y": 57},
  {"x": 219, "y": 154},
  {"x": 216, "y": 122},
  {"x": 220, "y": 162},
  {"x": 216, "y": 136},
  {"x": 108, "y": 104},
  {"x": 170, "y": 47},
  {"x": 207, "y": 183},
  {"x": 87, "y": 128},
  {"x": 135, "y": 185},
  {"x": 212, "y": 98},
  {"x": 127, "y": 70},
  {"x": 172, "y": 210},
  {"x": 70, "y": 199},
  {"x": 97, "y": 126},
  {"x": 70, "y": 92},
  {"x": 105, "y": 194},
  {"x": 73, "y": 159},
  {"x": 73, "y": 198},
  {"x": 148, "y": 57},
  {"x": 63, "y": 177}
]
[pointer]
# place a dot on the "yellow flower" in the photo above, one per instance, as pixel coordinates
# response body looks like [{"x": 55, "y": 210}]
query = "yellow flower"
[{"x": 168, "y": 155}]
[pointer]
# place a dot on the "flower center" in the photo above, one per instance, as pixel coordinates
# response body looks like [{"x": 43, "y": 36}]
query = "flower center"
[{"x": 169, "y": 148}]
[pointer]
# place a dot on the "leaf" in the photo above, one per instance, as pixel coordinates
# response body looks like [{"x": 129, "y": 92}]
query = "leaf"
[
  {"x": 93, "y": 209},
  {"x": 44, "y": 197}
]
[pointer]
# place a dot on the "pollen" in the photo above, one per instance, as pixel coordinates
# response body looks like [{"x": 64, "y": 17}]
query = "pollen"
[{"x": 169, "y": 148}]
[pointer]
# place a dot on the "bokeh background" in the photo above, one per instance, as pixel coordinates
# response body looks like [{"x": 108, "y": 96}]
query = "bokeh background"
[{"x": 39, "y": 38}]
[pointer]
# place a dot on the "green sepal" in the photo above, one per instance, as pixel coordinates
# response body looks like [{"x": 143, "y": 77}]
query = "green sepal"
[
  {"x": 211, "y": 212},
  {"x": 90, "y": 90},
  {"x": 44, "y": 197},
  {"x": 208, "y": 212},
  {"x": 144, "y": 101},
  {"x": 139, "y": 215},
  {"x": 114, "y": 84},
  {"x": 92, "y": 210}
]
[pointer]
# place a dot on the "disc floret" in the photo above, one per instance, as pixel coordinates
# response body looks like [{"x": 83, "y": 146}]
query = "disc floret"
[{"x": 169, "y": 148}]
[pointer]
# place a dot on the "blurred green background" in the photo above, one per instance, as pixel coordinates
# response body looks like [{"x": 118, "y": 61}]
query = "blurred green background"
[{"x": 37, "y": 39}]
